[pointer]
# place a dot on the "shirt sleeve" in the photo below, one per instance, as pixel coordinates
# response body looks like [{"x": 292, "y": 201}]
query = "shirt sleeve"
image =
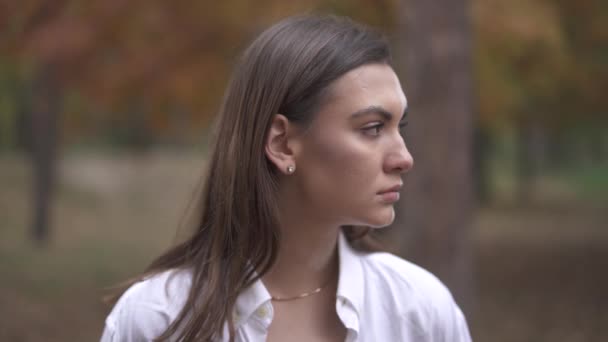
[
  {"x": 109, "y": 334},
  {"x": 134, "y": 321},
  {"x": 450, "y": 324},
  {"x": 460, "y": 328}
]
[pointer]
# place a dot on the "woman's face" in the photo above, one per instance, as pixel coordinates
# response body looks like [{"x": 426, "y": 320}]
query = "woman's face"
[{"x": 352, "y": 157}]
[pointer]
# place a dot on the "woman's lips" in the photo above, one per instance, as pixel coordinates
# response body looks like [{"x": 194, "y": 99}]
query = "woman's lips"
[{"x": 389, "y": 196}]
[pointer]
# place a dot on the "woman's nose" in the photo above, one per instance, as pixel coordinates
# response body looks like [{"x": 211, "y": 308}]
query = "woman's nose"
[{"x": 400, "y": 160}]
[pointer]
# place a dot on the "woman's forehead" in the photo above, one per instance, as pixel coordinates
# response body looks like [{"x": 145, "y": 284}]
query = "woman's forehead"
[{"x": 367, "y": 85}]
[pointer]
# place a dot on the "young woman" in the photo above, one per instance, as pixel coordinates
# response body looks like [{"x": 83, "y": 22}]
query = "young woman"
[{"x": 308, "y": 158}]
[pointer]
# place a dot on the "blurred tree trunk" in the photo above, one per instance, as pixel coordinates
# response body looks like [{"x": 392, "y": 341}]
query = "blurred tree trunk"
[
  {"x": 524, "y": 170},
  {"x": 557, "y": 151},
  {"x": 45, "y": 107},
  {"x": 435, "y": 215},
  {"x": 482, "y": 148},
  {"x": 530, "y": 157}
]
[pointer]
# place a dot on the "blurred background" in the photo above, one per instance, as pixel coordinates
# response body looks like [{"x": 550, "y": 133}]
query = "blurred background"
[{"x": 105, "y": 106}]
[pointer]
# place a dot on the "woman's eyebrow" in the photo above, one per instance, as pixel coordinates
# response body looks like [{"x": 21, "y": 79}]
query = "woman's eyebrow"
[
  {"x": 373, "y": 110},
  {"x": 377, "y": 110}
]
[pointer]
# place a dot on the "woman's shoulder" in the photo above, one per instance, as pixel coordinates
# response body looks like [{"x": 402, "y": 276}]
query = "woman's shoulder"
[
  {"x": 416, "y": 295},
  {"x": 159, "y": 290},
  {"x": 407, "y": 286},
  {"x": 403, "y": 274},
  {"x": 148, "y": 307}
]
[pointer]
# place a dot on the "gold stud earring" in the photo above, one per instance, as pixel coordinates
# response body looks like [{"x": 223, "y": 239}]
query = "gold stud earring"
[{"x": 291, "y": 169}]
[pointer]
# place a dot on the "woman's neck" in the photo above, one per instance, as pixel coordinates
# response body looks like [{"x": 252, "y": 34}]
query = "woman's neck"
[{"x": 307, "y": 257}]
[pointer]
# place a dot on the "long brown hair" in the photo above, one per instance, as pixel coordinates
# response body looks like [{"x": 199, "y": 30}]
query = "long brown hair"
[{"x": 236, "y": 239}]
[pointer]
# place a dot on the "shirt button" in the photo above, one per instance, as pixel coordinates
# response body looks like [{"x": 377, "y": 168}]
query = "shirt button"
[{"x": 262, "y": 312}]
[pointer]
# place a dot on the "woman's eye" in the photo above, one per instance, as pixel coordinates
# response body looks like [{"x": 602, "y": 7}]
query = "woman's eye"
[
  {"x": 402, "y": 126},
  {"x": 373, "y": 130}
]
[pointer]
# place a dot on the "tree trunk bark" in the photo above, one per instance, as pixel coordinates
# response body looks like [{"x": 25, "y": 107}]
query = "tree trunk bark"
[
  {"x": 435, "y": 215},
  {"x": 45, "y": 106}
]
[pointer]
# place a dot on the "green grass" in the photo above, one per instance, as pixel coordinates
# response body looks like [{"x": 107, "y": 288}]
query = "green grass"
[
  {"x": 580, "y": 182},
  {"x": 590, "y": 181}
]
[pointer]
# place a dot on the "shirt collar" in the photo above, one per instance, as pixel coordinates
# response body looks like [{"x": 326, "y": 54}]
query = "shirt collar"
[
  {"x": 250, "y": 300},
  {"x": 350, "y": 281}
]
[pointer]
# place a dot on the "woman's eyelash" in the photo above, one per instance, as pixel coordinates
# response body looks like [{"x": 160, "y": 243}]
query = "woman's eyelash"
[{"x": 376, "y": 127}]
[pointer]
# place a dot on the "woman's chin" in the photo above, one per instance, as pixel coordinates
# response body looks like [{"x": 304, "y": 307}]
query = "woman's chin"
[{"x": 381, "y": 219}]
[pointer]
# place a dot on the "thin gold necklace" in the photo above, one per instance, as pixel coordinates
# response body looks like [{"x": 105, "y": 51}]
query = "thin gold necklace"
[{"x": 301, "y": 295}]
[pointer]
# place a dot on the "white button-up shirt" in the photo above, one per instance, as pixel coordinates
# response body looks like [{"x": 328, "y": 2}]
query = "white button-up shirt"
[{"x": 380, "y": 297}]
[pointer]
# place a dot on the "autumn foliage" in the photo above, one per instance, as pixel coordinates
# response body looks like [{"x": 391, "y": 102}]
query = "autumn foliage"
[{"x": 161, "y": 66}]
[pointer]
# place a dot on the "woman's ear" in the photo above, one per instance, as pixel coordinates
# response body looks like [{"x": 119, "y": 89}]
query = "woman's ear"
[{"x": 278, "y": 149}]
